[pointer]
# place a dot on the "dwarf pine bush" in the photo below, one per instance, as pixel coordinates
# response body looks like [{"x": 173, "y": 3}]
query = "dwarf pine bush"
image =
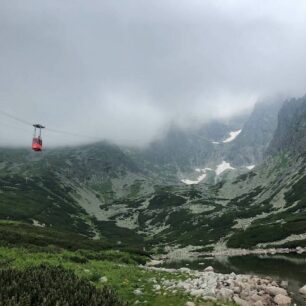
[{"x": 51, "y": 286}]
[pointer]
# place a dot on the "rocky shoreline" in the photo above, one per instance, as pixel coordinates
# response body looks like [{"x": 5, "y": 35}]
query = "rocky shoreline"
[
  {"x": 186, "y": 253},
  {"x": 244, "y": 290},
  {"x": 243, "y": 252}
]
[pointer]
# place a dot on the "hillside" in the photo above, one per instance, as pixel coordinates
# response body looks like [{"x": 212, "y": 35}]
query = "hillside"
[{"x": 103, "y": 191}]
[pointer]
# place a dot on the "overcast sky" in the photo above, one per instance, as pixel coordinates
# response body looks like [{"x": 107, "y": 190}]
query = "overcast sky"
[{"x": 124, "y": 70}]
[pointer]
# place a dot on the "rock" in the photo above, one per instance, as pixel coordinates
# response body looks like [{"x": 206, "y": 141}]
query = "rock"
[
  {"x": 156, "y": 287},
  {"x": 273, "y": 290},
  {"x": 303, "y": 290},
  {"x": 225, "y": 293},
  {"x": 240, "y": 301},
  {"x": 255, "y": 297},
  {"x": 184, "y": 270},
  {"x": 190, "y": 304},
  {"x": 284, "y": 284},
  {"x": 137, "y": 292},
  {"x": 258, "y": 303},
  {"x": 209, "y": 298},
  {"x": 299, "y": 250},
  {"x": 103, "y": 279},
  {"x": 196, "y": 292},
  {"x": 185, "y": 286},
  {"x": 209, "y": 269},
  {"x": 154, "y": 262},
  {"x": 282, "y": 300},
  {"x": 167, "y": 283},
  {"x": 237, "y": 289}
]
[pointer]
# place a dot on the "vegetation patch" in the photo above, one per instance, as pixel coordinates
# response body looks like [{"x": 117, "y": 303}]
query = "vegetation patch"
[
  {"x": 164, "y": 200},
  {"x": 47, "y": 286}
]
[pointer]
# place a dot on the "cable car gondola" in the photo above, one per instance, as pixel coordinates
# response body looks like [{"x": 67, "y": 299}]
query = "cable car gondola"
[{"x": 37, "y": 144}]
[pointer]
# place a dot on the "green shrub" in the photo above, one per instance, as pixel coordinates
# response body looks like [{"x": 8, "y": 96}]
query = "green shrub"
[
  {"x": 50, "y": 286},
  {"x": 77, "y": 259}
]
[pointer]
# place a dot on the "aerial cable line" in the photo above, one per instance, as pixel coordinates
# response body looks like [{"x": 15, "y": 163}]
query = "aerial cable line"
[
  {"x": 49, "y": 129},
  {"x": 71, "y": 134},
  {"x": 15, "y": 118},
  {"x": 13, "y": 127}
]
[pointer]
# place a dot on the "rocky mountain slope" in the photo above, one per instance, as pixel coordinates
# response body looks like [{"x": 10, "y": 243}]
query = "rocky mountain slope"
[
  {"x": 251, "y": 144},
  {"x": 136, "y": 197},
  {"x": 240, "y": 142}
]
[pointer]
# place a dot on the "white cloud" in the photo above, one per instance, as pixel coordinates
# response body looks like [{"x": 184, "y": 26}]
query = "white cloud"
[{"x": 123, "y": 70}]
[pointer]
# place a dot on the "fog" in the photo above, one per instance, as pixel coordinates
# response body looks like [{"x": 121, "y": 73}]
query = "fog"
[{"x": 126, "y": 70}]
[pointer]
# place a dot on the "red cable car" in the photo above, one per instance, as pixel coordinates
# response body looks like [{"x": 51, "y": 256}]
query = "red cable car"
[{"x": 37, "y": 140}]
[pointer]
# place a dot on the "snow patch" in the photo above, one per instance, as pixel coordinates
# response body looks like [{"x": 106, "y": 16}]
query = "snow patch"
[
  {"x": 232, "y": 136},
  {"x": 222, "y": 167},
  {"x": 37, "y": 223},
  {"x": 250, "y": 167},
  {"x": 199, "y": 179}
]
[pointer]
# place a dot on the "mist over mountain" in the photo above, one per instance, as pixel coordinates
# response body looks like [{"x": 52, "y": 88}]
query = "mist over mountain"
[
  {"x": 135, "y": 189},
  {"x": 290, "y": 133},
  {"x": 171, "y": 167},
  {"x": 147, "y": 65}
]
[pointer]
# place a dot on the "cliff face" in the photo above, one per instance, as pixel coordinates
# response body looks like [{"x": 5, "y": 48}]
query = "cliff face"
[
  {"x": 250, "y": 145},
  {"x": 290, "y": 134}
]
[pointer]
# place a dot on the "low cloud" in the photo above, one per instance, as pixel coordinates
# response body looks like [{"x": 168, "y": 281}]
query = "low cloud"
[{"x": 125, "y": 70}]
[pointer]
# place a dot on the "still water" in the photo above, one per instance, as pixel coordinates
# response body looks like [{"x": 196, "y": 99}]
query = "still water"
[{"x": 288, "y": 267}]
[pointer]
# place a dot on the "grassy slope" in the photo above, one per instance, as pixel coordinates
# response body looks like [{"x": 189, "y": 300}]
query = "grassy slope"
[
  {"x": 123, "y": 278},
  {"x": 92, "y": 261},
  {"x": 280, "y": 223}
]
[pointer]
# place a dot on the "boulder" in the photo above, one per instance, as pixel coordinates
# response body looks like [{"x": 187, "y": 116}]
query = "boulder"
[
  {"x": 284, "y": 284},
  {"x": 154, "y": 262},
  {"x": 196, "y": 292},
  {"x": 156, "y": 287},
  {"x": 273, "y": 290},
  {"x": 209, "y": 269},
  {"x": 259, "y": 303},
  {"x": 299, "y": 250},
  {"x": 103, "y": 279},
  {"x": 184, "y": 270},
  {"x": 137, "y": 292},
  {"x": 255, "y": 297},
  {"x": 209, "y": 298},
  {"x": 190, "y": 304},
  {"x": 240, "y": 301},
  {"x": 282, "y": 300},
  {"x": 303, "y": 290},
  {"x": 225, "y": 293}
]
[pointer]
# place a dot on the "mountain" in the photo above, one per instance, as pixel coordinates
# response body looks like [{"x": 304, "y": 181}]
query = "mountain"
[
  {"x": 275, "y": 190},
  {"x": 290, "y": 134},
  {"x": 134, "y": 197},
  {"x": 64, "y": 188},
  {"x": 251, "y": 144},
  {"x": 239, "y": 142}
]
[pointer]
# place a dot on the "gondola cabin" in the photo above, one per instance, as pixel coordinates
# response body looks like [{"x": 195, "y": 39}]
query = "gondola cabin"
[{"x": 37, "y": 144}]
